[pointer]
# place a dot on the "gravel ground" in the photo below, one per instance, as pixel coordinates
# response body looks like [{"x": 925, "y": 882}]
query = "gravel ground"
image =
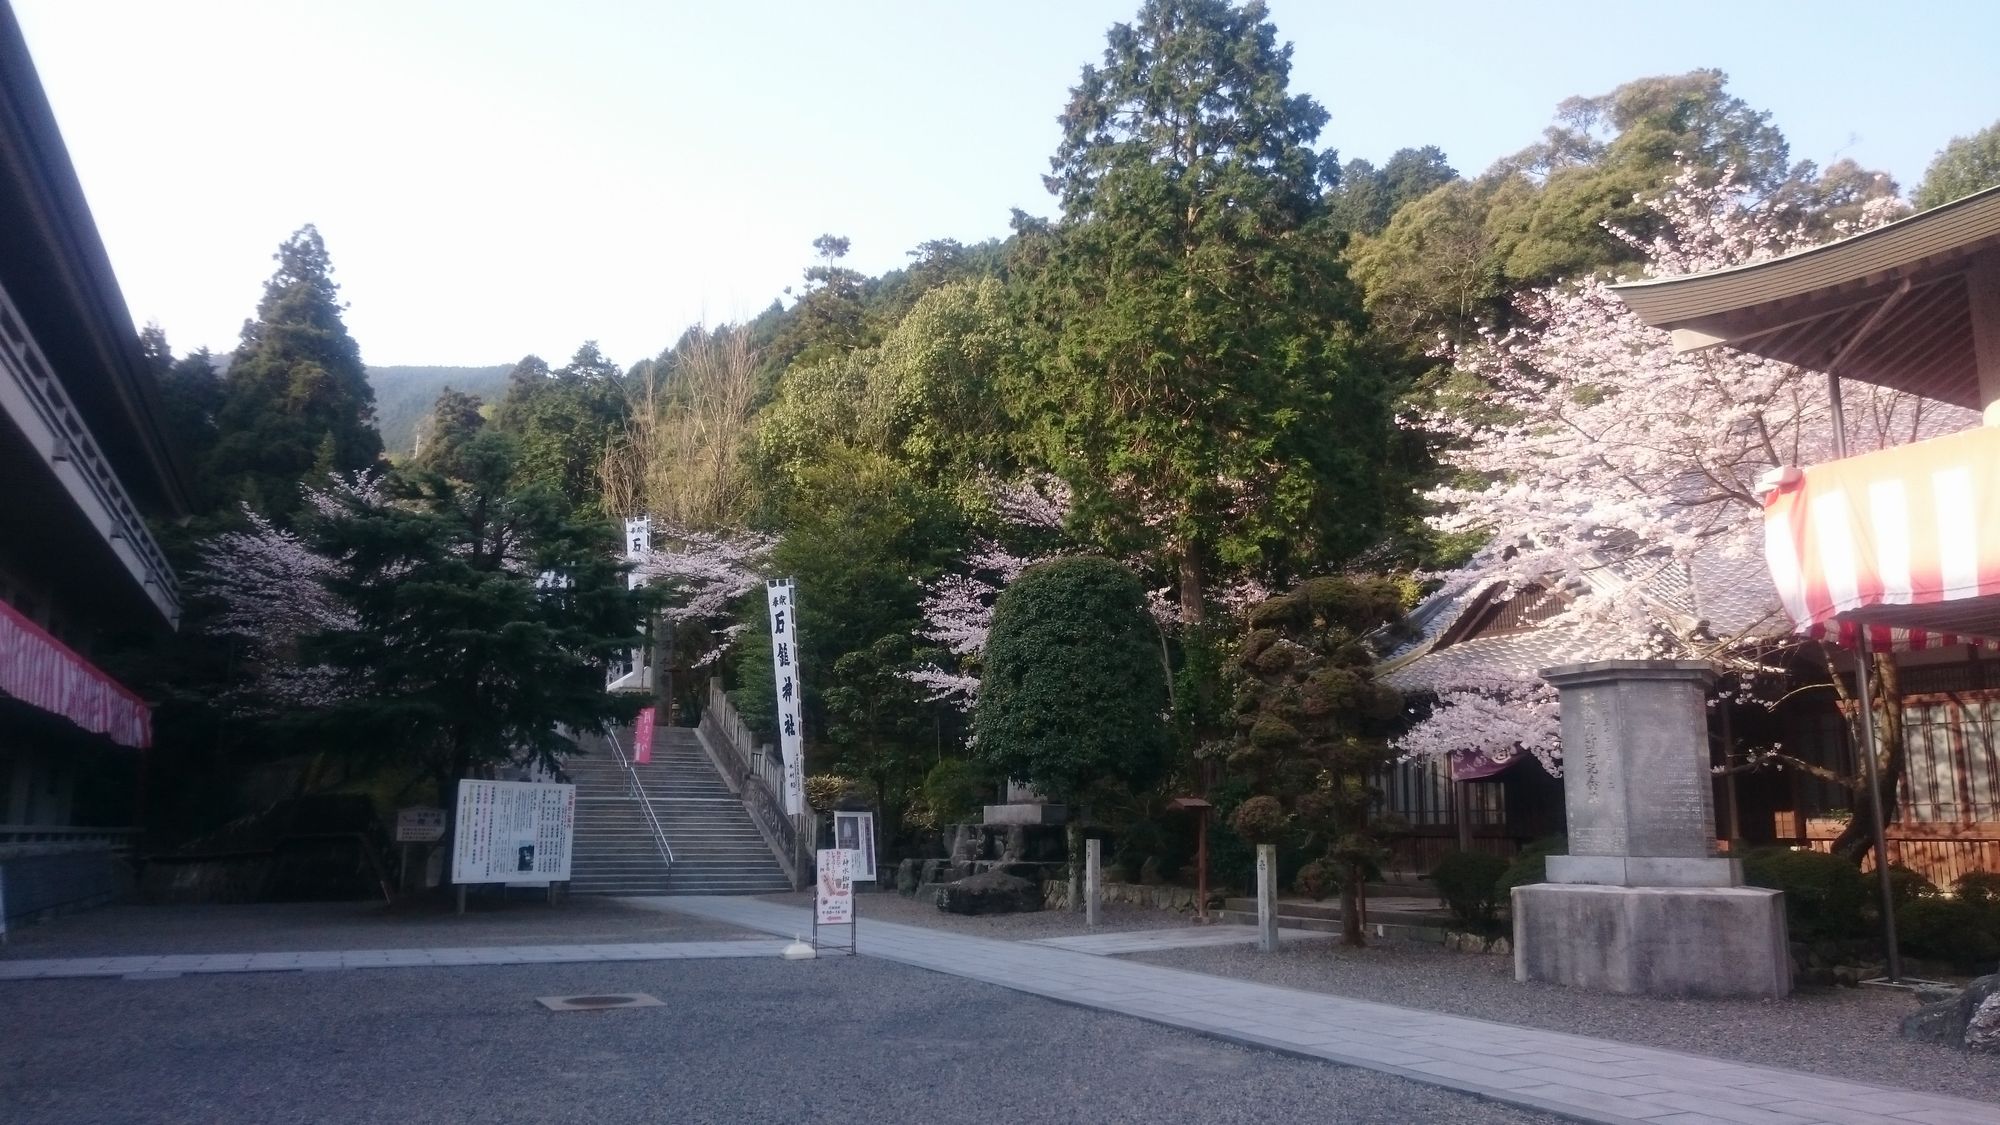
[
  {"x": 837, "y": 1040},
  {"x": 1847, "y": 1033},
  {"x": 306, "y": 926},
  {"x": 889, "y": 907}
]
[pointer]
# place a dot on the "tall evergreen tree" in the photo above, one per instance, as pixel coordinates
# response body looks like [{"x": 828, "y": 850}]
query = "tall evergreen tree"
[
  {"x": 565, "y": 421},
  {"x": 1200, "y": 377},
  {"x": 296, "y": 403},
  {"x": 442, "y": 436}
]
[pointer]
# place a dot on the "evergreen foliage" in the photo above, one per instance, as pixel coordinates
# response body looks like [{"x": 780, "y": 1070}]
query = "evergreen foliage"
[
  {"x": 566, "y": 421},
  {"x": 1198, "y": 373},
  {"x": 296, "y": 404},
  {"x": 1313, "y": 725},
  {"x": 1073, "y": 693},
  {"x": 1966, "y": 165}
]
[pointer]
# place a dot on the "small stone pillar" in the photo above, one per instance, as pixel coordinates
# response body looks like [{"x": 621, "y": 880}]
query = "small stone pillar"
[
  {"x": 1093, "y": 879},
  {"x": 1642, "y": 904},
  {"x": 1267, "y": 898}
]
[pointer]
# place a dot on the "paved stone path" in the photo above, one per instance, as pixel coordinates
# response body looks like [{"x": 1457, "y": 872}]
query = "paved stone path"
[
  {"x": 1579, "y": 1077},
  {"x": 1151, "y": 941},
  {"x": 149, "y": 966}
]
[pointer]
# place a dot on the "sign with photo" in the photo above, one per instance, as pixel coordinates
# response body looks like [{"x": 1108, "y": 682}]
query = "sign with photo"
[
  {"x": 833, "y": 892},
  {"x": 855, "y": 832},
  {"x": 513, "y": 832},
  {"x": 784, "y": 604},
  {"x": 419, "y": 825}
]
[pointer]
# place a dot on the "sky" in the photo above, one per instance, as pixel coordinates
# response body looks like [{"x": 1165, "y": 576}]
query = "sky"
[{"x": 495, "y": 178}]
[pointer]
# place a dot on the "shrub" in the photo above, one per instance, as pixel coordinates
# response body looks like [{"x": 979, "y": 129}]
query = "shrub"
[
  {"x": 955, "y": 791},
  {"x": 1260, "y": 820},
  {"x": 825, "y": 790},
  {"x": 1531, "y": 865},
  {"x": 1980, "y": 888},
  {"x": 1906, "y": 886},
  {"x": 1316, "y": 879},
  {"x": 1952, "y": 930},
  {"x": 1469, "y": 884},
  {"x": 1825, "y": 895}
]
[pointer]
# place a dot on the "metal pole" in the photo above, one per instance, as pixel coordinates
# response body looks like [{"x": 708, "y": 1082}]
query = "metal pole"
[{"x": 1862, "y": 680}]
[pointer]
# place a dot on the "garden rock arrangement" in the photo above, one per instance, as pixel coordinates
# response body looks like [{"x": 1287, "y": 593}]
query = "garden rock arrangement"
[
  {"x": 994, "y": 892},
  {"x": 1969, "y": 1021}
]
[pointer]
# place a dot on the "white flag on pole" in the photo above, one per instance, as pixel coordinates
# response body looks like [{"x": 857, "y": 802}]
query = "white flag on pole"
[{"x": 783, "y": 597}]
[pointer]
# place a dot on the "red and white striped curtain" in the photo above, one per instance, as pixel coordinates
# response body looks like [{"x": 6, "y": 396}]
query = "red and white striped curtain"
[
  {"x": 42, "y": 672},
  {"x": 1904, "y": 542}
]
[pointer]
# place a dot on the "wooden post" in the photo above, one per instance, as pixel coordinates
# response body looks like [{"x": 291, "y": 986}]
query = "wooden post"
[
  {"x": 1267, "y": 898},
  {"x": 1201, "y": 864},
  {"x": 1093, "y": 880}
]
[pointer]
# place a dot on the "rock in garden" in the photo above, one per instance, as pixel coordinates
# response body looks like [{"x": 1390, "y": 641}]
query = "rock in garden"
[
  {"x": 1969, "y": 1021},
  {"x": 995, "y": 892}
]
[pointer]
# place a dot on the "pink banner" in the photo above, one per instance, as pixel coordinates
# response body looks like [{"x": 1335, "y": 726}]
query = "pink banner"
[
  {"x": 642, "y": 736},
  {"x": 41, "y": 671}
]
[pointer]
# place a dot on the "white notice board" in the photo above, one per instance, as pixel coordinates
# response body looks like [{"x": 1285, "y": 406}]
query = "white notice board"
[{"x": 513, "y": 832}]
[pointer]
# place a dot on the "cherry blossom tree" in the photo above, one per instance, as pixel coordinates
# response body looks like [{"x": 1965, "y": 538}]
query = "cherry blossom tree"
[
  {"x": 271, "y": 590},
  {"x": 1600, "y": 459},
  {"x": 706, "y": 573}
]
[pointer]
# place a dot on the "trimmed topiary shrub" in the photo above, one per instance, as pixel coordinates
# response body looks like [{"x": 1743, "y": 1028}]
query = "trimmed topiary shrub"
[
  {"x": 1825, "y": 896},
  {"x": 1260, "y": 820},
  {"x": 955, "y": 791},
  {"x": 1906, "y": 886},
  {"x": 1316, "y": 879},
  {"x": 1469, "y": 884}
]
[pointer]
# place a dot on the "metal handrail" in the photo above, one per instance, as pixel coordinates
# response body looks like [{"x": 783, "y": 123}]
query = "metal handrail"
[{"x": 638, "y": 790}]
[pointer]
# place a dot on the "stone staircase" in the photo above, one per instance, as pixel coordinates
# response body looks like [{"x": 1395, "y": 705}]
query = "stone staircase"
[{"x": 716, "y": 848}]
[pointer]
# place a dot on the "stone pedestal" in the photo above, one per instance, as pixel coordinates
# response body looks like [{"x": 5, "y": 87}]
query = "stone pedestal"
[{"x": 1642, "y": 903}]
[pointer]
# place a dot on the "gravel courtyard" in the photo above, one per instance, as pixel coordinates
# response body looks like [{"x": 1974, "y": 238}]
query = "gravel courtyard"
[
  {"x": 1846, "y": 1033},
  {"x": 837, "y": 1040}
]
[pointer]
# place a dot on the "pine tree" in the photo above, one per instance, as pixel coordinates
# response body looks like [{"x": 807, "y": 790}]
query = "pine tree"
[{"x": 296, "y": 401}]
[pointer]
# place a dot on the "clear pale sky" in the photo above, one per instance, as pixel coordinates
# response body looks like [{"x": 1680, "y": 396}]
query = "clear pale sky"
[{"x": 497, "y": 178}]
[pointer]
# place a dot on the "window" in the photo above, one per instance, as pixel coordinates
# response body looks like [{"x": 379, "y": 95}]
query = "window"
[
  {"x": 1421, "y": 793},
  {"x": 1952, "y": 749}
]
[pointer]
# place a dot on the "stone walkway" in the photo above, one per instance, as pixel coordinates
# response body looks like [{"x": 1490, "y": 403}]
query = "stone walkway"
[
  {"x": 1578, "y": 1077},
  {"x": 1151, "y": 941},
  {"x": 150, "y": 967}
]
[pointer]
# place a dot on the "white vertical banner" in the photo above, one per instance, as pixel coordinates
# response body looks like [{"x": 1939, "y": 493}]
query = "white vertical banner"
[
  {"x": 783, "y": 597},
  {"x": 638, "y": 541}
]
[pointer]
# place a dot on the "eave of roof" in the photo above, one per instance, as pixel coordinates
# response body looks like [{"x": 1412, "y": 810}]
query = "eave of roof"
[
  {"x": 1889, "y": 306},
  {"x": 77, "y": 311}
]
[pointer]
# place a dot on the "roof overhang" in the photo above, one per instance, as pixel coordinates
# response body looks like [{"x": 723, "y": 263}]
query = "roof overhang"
[{"x": 1889, "y": 306}]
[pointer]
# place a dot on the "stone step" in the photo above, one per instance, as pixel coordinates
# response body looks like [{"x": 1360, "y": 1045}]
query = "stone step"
[{"x": 1418, "y": 912}]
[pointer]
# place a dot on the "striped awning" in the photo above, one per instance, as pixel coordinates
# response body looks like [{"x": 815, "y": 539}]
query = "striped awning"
[
  {"x": 44, "y": 673},
  {"x": 1904, "y": 542}
]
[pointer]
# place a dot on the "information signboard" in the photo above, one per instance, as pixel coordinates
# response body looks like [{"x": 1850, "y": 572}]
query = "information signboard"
[
  {"x": 513, "y": 832},
  {"x": 833, "y": 894},
  {"x": 419, "y": 825},
  {"x": 855, "y": 831}
]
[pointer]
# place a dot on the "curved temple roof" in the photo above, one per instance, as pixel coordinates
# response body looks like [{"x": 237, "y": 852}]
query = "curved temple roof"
[{"x": 1890, "y": 306}]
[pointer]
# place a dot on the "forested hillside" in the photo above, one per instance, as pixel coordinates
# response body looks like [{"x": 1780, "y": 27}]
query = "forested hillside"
[{"x": 403, "y": 395}]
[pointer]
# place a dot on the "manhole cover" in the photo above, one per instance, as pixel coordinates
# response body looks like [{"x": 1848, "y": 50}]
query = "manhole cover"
[{"x": 598, "y": 1003}]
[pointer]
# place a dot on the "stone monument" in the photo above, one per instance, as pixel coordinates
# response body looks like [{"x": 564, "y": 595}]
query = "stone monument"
[{"x": 1642, "y": 904}]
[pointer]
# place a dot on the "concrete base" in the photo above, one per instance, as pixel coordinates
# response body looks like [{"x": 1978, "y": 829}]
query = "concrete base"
[
  {"x": 1656, "y": 941},
  {"x": 1025, "y": 814},
  {"x": 1645, "y": 871}
]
